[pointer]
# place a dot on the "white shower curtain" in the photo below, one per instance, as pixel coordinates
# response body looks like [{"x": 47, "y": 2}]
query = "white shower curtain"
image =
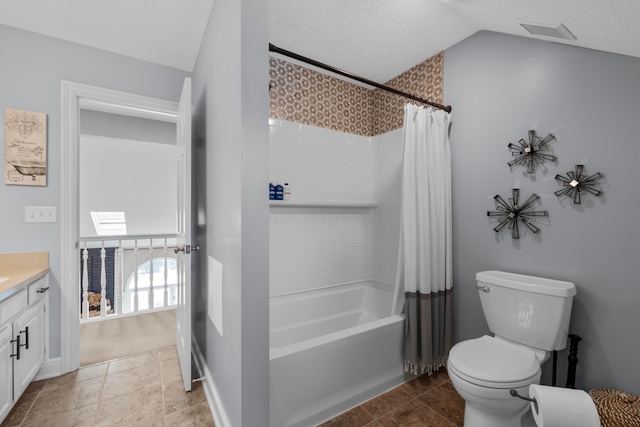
[{"x": 424, "y": 256}]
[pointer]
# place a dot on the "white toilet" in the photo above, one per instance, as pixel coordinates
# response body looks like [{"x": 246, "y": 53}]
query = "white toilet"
[{"x": 529, "y": 317}]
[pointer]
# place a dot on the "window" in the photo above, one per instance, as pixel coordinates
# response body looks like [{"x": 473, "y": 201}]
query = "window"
[
  {"x": 109, "y": 223},
  {"x": 145, "y": 272}
]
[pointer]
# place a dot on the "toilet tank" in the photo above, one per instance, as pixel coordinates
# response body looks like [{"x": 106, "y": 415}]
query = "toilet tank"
[{"x": 529, "y": 310}]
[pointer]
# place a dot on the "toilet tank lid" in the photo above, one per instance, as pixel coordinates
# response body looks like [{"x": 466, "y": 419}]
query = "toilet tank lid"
[{"x": 539, "y": 285}]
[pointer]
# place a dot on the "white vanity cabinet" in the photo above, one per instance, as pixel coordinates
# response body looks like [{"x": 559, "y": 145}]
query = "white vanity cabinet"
[
  {"x": 30, "y": 327},
  {"x": 6, "y": 371},
  {"x": 23, "y": 334}
]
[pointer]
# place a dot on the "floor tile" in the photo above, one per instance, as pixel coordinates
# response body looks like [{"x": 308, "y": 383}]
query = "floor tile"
[
  {"x": 79, "y": 417},
  {"x": 176, "y": 399},
  {"x": 130, "y": 381},
  {"x": 66, "y": 398},
  {"x": 147, "y": 390},
  {"x": 35, "y": 386},
  {"x": 386, "y": 402},
  {"x": 193, "y": 416},
  {"x": 170, "y": 353},
  {"x": 133, "y": 362},
  {"x": 414, "y": 414},
  {"x": 20, "y": 410},
  {"x": 357, "y": 417},
  {"x": 140, "y": 391},
  {"x": 144, "y": 408},
  {"x": 424, "y": 383},
  {"x": 170, "y": 369},
  {"x": 82, "y": 374},
  {"x": 446, "y": 401}
]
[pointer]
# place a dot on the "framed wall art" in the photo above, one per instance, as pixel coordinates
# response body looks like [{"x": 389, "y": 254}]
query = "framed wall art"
[{"x": 25, "y": 152}]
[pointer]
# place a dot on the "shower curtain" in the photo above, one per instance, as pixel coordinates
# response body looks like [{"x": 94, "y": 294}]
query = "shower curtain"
[{"x": 424, "y": 255}]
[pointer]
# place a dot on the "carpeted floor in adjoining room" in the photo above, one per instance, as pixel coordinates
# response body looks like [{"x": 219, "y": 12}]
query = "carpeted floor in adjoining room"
[{"x": 126, "y": 336}]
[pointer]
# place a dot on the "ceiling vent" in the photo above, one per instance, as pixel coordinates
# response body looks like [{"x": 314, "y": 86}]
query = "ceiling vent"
[{"x": 558, "y": 31}]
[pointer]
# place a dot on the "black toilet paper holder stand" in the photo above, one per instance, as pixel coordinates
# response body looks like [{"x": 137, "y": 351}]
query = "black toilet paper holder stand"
[
  {"x": 514, "y": 393},
  {"x": 571, "y": 371}
]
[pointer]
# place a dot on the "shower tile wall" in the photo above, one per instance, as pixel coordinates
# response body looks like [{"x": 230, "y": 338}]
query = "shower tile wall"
[
  {"x": 320, "y": 164},
  {"x": 322, "y": 143},
  {"x": 315, "y": 247},
  {"x": 387, "y": 173}
]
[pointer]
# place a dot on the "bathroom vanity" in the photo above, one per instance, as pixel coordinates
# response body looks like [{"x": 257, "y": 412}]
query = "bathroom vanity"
[{"x": 23, "y": 323}]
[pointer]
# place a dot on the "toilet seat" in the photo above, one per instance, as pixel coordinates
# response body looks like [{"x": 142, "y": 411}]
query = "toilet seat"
[{"x": 494, "y": 363}]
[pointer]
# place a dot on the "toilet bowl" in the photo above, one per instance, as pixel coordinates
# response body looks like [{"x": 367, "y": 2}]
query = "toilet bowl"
[
  {"x": 529, "y": 317},
  {"x": 484, "y": 370}
]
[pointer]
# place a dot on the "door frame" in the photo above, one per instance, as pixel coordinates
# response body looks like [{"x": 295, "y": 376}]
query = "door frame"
[{"x": 75, "y": 96}]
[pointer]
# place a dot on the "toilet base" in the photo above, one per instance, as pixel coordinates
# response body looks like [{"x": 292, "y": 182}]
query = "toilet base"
[{"x": 474, "y": 417}]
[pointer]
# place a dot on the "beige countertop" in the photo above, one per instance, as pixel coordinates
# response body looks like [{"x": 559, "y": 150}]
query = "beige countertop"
[{"x": 19, "y": 269}]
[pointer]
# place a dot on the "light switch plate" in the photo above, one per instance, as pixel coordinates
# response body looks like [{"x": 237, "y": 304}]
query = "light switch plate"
[{"x": 40, "y": 214}]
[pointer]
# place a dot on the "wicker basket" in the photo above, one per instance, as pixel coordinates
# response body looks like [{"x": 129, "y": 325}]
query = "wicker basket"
[{"x": 616, "y": 408}]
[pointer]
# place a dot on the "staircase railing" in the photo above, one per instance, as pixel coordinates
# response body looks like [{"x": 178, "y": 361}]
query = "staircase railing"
[{"x": 126, "y": 275}]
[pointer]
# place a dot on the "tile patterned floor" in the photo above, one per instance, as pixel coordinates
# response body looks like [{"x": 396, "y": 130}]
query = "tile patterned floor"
[
  {"x": 144, "y": 390},
  {"x": 427, "y": 401}
]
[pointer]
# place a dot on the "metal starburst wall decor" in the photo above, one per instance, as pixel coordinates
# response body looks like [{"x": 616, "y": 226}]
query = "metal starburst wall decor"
[
  {"x": 528, "y": 153},
  {"x": 578, "y": 183},
  {"x": 512, "y": 213}
]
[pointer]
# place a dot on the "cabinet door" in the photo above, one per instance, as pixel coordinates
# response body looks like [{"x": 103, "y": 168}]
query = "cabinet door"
[
  {"x": 31, "y": 328},
  {"x": 6, "y": 371}
]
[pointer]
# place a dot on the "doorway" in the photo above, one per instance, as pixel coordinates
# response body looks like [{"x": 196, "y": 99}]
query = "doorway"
[
  {"x": 127, "y": 211},
  {"x": 76, "y": 98}
]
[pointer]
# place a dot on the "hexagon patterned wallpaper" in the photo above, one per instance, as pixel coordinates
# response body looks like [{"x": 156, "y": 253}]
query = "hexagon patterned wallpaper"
[
  {"x": 304, "y": 96},
  {"x": 425, "y": 80}
]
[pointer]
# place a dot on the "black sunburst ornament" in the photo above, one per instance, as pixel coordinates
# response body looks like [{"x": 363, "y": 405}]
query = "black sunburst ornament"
[
  {"x": 529, "y": 153},
  {"x": 510, "y": 214},
  {"x": 578, "y": 183}
]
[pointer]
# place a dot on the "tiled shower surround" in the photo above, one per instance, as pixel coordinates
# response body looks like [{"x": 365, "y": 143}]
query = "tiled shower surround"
[
  {"x": 313, "y": 247},
  {"x": 333, "y": 141},
  {"x": 304, "y": 96}
]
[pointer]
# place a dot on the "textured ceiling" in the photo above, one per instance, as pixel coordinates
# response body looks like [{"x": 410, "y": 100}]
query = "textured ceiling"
[{"x": 377, "y": 39}]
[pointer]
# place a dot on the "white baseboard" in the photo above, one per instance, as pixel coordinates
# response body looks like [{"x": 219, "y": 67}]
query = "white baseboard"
[
  {"x": 220, "y": 417},
  {"x": 50, "y": 368}
]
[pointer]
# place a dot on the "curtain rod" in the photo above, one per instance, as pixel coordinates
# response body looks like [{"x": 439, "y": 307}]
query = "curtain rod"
[{"x": 273, "y": 48}]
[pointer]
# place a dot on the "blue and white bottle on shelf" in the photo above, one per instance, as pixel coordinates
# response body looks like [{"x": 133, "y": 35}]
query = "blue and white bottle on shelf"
[
  {"x": 279, "y": 192},
  {"x": 272, "y": 191}
]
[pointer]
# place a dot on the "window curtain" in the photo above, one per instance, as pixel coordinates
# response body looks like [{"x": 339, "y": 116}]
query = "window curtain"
[{"x": 424, "y": 256}]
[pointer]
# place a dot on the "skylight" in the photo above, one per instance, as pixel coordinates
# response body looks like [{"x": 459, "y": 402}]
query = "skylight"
[{"x": 109, "y": 223}]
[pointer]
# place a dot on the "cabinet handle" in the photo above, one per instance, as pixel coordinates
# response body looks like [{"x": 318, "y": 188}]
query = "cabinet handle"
[
  {"x": 17, "y": 354},
  {"x": 42, "y": 290},
  {"x": 26, "y": 333}
]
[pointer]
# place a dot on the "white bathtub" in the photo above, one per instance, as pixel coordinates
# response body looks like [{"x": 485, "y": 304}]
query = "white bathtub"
[{"x": 330, "y": 350}]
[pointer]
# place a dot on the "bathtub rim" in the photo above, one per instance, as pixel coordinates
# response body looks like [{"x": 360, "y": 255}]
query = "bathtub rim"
[
  {"x": 385, "y": 286},
  {"x": 277, "y": 352}
]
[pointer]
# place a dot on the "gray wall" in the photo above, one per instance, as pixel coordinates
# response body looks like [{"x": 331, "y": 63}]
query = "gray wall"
[
  {"x": 231, "y": 159},
  {"x": 118, "y": 126},
  {"x": 30, "y": 75},
  {"x": 500, "y": 87}
]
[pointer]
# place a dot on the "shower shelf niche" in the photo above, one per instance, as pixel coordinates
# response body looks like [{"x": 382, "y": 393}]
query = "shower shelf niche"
[{"x": 321, "y": 204}]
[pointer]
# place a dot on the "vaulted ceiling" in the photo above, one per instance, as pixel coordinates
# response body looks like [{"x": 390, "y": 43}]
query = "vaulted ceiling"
[{"x": 377, "y": 39}]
